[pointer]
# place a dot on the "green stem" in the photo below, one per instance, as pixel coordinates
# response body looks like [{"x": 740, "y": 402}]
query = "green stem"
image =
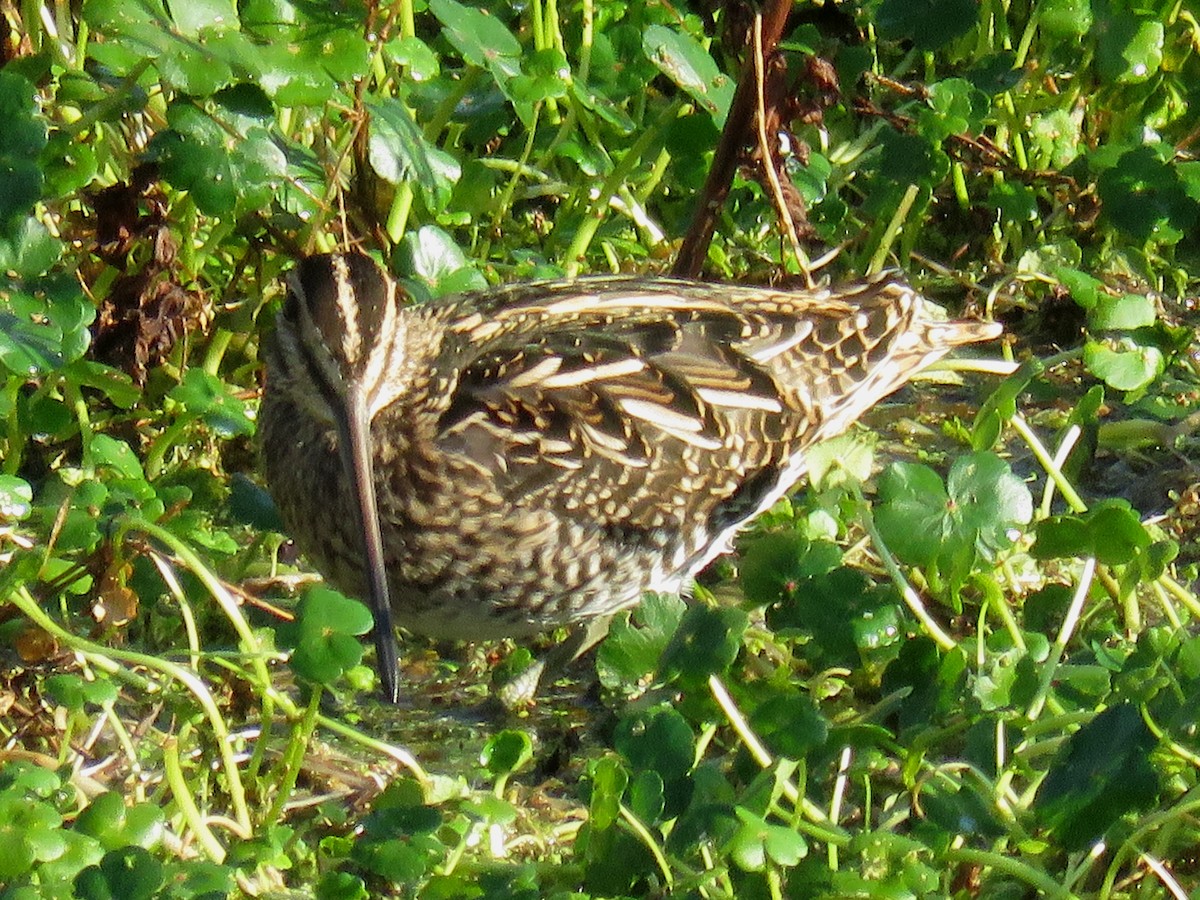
[
  {"x": 106, "y": 658},
  {"x": 1074, "y": 611},
  {"x": 216, "y": 350},
  {"x": 1009, "y": 866},
  {"x": 169, "y": 438},
  {"x": 293, "y": 757},
  {"x": 879, "y": 258},
  {"x": 823, "y": 830},
  {"x": 577, "y": 251},
  {"x": 397, "y": 220},
  {"x": 911, "y": 598},
  {"x": 187, "y": 804},
  {"x": 399, "y": 754},
  {"x": 1047, "y": 463},
  {"x": 643, "y": 834},
  {"x": 250, "y": 645}
]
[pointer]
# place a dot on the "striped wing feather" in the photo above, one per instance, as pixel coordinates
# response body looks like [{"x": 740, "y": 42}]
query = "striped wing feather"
[{"x": 606, "y": 400}]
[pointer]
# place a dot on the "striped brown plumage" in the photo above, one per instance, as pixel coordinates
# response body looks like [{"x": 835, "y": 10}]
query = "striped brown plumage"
[{"x": 541, "y": 454}]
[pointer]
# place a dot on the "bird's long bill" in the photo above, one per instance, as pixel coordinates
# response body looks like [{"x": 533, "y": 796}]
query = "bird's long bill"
[{"x": 356, "y": 457}]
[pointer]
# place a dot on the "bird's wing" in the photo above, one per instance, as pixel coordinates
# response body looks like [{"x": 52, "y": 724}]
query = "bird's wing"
[{"x": 648, "y": 403}]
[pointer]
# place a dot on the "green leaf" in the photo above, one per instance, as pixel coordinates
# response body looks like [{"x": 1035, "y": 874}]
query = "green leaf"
[
  {"x": 989, "y": 499},
  {"x": 955, "y": 107},
  {"x": 328, "y": 625},
  {"x": 659, "y": 740},
  {"x": 190, "y": 16},
  {"x": 16, "y": 498},
  {"x": 1062, "y": 537},
  {"x": 1122, "y": 364},
  {"x": 961, "y": 810},
  {"x": 208, "y": 397},
  {"x": 412, "y": 52},
  {"x": 1066, "y": 18},
  {"x": 506, "y": 752},
  {"x": 21, "y": 141},
  {"x": 635, "y": 642},
  {"x": 911, "y": 159},
  {"x": 758, "y": 840},
  {"x": 913, "y": 512},
  {"x": 608, "y": 781},
  {"x": 1001, "y": 406},
  {"x": 1056, "y": 138},
  {"x": 30, "y": 831},
  {"x": 1130, "y": 48},
  {"x": 396, "y": 860},
  {"x": 39, "y": 335},
  {"x": 484, "y": 41},
  {"x": 480, "y": 38},
  {"x": 336, "y": 885},
  {"x": 681, "y": 58},
  {"x": 1102, "y": 773},
  {"x": 843, "y": 612},
  {"x": 1085, "y": 289},
  {"x": 117, "y": 455},
  {"x": 790, "y": 725},
  {"x": 1144, "y": 196},
  {"x": 927, "y": 23},
  {"x": 646, "y": 798},
  {"x": 27, "y": 248},
  {"x": 439, "y": 262},
  {"x": 773, "y": 564},
  {"x": 706, "y": 643},
  {"x": 115, "y": 825},
  {"x": 929, "y": 681},
  {"x": 293, "y": 74},
  {"x": 847, "y": 457},
  {"x": 252, "y": 505},
  {"x": 547, "y": 77},
  {"x": 1117, "y": 532}
]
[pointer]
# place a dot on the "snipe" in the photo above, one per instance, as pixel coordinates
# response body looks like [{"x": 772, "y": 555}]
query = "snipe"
[{"x": 506, "y": 462}]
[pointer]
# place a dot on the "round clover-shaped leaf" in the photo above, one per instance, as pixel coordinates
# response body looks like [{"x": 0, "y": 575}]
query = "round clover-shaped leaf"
[
  {"x": 608, "y": 781},
  {"x": 989, "y": 498},
  {"x": 635, "y": 642},
  {"x": 1066, "y": 18},
  {"x": 1100, "y": 774},
  {"x": 758, "y": 840},
  {"x": 1130, "y": 48},
  {"x": 926, "y": 523},
  {"x": 440, "y": 264},
  {"x": 1144, "y": 196},
  {"x": 127, "y": 873},
  {"x": 1123, "y": 365},
  {"x": 21, "y": 140},
  {"x": 706, "y": 643},
  {"x": 912, "y": 512},
  {"x": 790, "y": 725},
  {"x": 506, "y": 752},
  {"x": 206, "y": 396},
  {"x": 115, "y": 825},
  {"x": 30, "y": 832},
  {"x": 329, "y": 624},
  {"x": 1117, "y": 532},
  {"x": 927, "y": 23},
  {"x": 659, "y": 740}
]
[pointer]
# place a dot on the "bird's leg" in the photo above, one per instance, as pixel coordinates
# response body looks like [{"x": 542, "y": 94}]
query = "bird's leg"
[{"x": 580, "y": 639}]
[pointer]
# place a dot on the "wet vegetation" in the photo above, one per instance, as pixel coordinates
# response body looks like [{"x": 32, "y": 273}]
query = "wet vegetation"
[{"x": 963, "y": 662}]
